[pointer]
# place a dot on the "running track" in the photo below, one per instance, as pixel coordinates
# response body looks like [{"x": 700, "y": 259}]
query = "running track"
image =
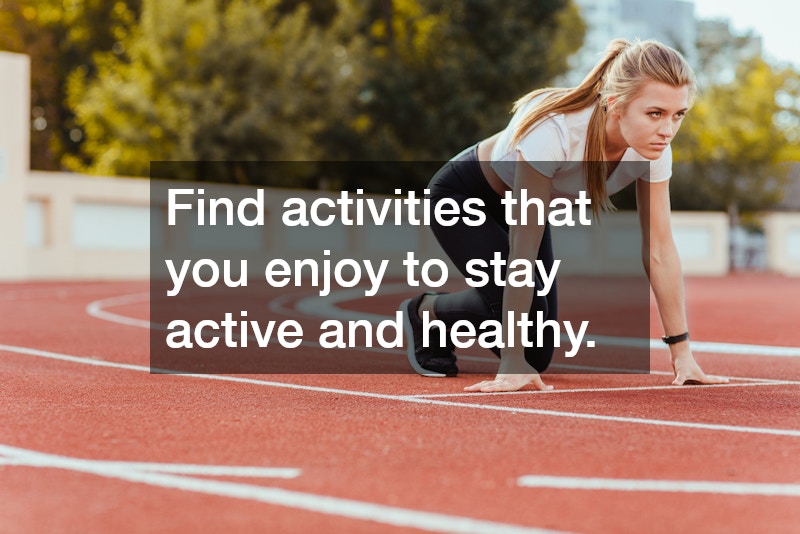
[{"x": 90, "y": 441}]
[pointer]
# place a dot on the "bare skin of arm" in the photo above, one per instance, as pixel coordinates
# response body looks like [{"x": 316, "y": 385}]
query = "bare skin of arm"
[
  {"x": 663, "y": 267},
  {"x": 514, "y": 371}
]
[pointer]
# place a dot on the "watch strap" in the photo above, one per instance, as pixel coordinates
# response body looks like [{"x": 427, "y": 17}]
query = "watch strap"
[{"x": 671, "y": 340}]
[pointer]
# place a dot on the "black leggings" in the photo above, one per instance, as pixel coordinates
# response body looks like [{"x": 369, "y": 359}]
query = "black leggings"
[{"x": 460, "y": 179}]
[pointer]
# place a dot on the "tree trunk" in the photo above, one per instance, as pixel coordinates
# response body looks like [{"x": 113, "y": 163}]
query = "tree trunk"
[
  {"x": 388, "y": 14},
  {"x": 733, "y": 225}
]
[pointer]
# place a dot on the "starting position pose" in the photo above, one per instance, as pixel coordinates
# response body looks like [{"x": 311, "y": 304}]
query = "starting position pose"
[{"x": 627, "y": 109}]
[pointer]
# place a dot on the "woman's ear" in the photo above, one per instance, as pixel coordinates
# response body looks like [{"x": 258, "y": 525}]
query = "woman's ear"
[{"x": 611, "y": 106}]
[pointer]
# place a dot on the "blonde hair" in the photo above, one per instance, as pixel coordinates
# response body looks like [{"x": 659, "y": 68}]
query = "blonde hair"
[{"x": 622, "y": 72}]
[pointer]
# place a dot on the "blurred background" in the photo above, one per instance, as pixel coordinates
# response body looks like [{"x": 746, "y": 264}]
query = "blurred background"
[{"x": 116, "y": 84}]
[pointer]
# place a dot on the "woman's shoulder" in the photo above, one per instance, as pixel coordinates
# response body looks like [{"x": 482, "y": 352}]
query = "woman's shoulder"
[
  {"x": 650, "y": 170},
  {"x": 577, "y": 122},
  {"x": 555, "y": 121}
]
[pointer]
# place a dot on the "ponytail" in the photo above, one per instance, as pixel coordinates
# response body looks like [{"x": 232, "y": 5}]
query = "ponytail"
[{"x": 622, "y": 71}]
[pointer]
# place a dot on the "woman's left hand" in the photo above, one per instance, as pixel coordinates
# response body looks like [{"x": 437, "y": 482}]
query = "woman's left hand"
[{"x": 688, "y": 372}]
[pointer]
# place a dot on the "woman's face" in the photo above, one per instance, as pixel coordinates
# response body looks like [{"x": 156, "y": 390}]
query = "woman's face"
[{"x": 650, "y": 121}]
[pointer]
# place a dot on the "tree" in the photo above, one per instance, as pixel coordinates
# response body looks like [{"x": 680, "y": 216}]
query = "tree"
[
  {"x": 207, "y": 80},
  {"x": 60, "y": 37},
  {"x": 738, "y": 141},
  {"x": 245, "y": 80},
  {"x": 441, "y": 75},
  {"x": 20, "y": 32}
]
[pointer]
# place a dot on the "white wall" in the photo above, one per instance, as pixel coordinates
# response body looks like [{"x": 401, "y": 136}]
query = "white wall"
[
  {"x": 87, "y": 227},
  {"x": 783, "y": 242}
]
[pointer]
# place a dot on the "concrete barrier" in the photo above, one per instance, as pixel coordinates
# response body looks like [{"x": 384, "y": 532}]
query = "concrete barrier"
[
  {"x": 783, "y": 242},
  {"x": 87, "y": 227},
  {"x": 81, "y": 227}
]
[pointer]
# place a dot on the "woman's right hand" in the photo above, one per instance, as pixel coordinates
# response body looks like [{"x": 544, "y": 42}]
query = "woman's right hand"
[{"x": 513, "y": 375}]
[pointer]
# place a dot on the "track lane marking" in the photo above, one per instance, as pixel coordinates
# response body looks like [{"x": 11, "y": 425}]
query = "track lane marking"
[
  {"x": 327, "y": 307},
  {"x": 415, "y": 400},
  {"x": 315, "y": 306},
  {"x": 97, "y": 309},
  {"x": 596, "y": 390},
  {"x": 671, "y": 486},
  {"x": 25, "y": 457},
  {"x": 311, "y": 502}
]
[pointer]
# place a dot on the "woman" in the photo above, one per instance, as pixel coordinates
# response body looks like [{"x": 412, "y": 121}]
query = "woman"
[{"x": 627, "y": 109}]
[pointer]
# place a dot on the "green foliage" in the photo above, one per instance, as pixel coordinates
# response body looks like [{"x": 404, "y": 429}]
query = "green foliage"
[
  {"x": 442, "y": 75},
  {"x": 738, "y": 142},
  {"x": 60, "y": 37},
  {"x": 21, "y": 32},
  {"x": 123, "y": 82},
  {"x": 88, "y": 26},
  {"x": 244, "y": 80},
  {"x": 204, "y": 80}
]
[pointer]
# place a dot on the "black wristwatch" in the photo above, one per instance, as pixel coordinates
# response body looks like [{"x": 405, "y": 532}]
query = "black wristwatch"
[{"x": 671, "y": 340}]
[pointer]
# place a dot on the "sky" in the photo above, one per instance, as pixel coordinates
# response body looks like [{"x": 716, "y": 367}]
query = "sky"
[{"x": 777, "y": 21}]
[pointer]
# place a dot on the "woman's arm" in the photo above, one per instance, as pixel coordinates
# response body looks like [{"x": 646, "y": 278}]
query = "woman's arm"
[
  {"x": 524, "y": 241},
  {"x": 663, "y": 267}
]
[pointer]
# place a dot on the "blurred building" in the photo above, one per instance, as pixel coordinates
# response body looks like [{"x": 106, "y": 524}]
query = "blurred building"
[
  {"x": 721, "y": 50},
  {"x": 710, "y": 46},
  {"x": 669, "y": 21}
]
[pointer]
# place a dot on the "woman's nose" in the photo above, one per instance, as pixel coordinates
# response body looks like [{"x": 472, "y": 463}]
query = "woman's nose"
[{"x": 666, "y": 129}]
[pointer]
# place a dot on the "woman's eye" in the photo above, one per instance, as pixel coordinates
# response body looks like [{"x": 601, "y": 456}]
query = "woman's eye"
[{"x": 655, "y": 114}]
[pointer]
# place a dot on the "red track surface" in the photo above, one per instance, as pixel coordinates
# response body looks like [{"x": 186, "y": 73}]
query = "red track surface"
[{"x": 395, "y": 463}]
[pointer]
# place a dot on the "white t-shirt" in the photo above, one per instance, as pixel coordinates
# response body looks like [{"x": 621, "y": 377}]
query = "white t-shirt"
[{"x": 555, "y": 147}]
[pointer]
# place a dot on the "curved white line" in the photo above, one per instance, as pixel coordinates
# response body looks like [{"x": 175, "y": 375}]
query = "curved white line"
[
  {"x": 97, "y": 309},
  {"x": 326, "y": 307}
]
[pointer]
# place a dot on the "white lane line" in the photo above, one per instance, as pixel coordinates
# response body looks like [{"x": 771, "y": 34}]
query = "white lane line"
[
  {"x": 211, "y": 470},
  {"x": 596, "y": 390},
  {"x": 415, "y": 400},
  {"x": 672, "y": 486},
  {"x": 97, "y": 309},
  {"x": 277, "y": 305},
  {"x": 606, "y": 370},
  {"x": 25, "y": 457},
  {"x": 737, "y": 348},
  {"x": 327, "y": 307},
  {"x": 352, "y": 509}
]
